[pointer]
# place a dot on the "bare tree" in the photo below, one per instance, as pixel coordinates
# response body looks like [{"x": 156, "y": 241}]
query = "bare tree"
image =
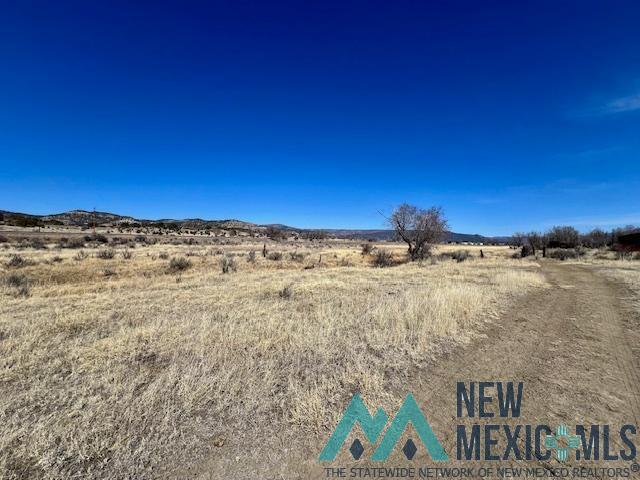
[
  {"x": 314, "y": 235},
  {"x": 275, "y": 233},
  {"x": 536, "y": 241},
  {"x": 419, "y": 228},
  {"x": 596, "y": 238},
  {"x": 517, "y": 239},
  {"x": 563, "y": 237}
]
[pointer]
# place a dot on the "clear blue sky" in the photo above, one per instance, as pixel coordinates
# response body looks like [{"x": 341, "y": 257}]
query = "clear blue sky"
[{"x": 510, "y": 115}]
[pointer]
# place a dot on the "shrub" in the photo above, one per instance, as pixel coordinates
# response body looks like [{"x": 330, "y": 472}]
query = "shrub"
[
  {"x": 81, "y": 255},
  {"x": 526, "y": 251},
  {"x": 228, "y": 264},
  {"x": 623, "y": 255},
  {"x": 251, "y": 257},
  {"x": 120, "y": 241},
  {"x": 367, "y": 249},
  {"x": 344, "y": 262},
  {"x": 17, "y": 261},
  {"x": 382, "y": 259},
  {"x": 602, "y": 254},
  {"x": 275, "y": 233},
  {"x": 127, "y": 255},
  {"x": 563, "y": 254},
  {"x": 297, "y": 257},
  {"x": 460, "y": 255},
  {"x": 106, "y": 254},
  {"x": 34, "y": 243},
  {"x": 286, "y": 292},
  {"x": 56, "y": 259},
  {"x": 636, "y": 256},
  {"x": 3, "y": 239},
  {"x": 275, "y": 256},
  {"x": 71, "y": 243},
  {"x": 20, "y": 283},
  {"x": 179, "y": 264},
  {"x": 97, "y": 238},
  {"x": 164, "y": 256}
]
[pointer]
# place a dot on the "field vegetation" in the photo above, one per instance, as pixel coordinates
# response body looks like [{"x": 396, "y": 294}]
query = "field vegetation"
[{"x": 117, "y": 355}]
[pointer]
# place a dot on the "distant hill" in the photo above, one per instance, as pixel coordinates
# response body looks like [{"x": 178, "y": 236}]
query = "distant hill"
[{"x": 84, "y": 218}]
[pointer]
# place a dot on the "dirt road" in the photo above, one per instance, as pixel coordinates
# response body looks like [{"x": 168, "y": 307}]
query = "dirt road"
[{"x": 574, "y": 346}]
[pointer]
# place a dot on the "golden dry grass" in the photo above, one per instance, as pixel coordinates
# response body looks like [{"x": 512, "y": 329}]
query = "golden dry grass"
[
  {"x": 625, "y": 271},
  {"x": 107, "y": 367}
]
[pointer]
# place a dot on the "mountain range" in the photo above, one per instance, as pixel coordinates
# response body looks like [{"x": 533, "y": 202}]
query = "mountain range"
[{"x": 85, "y": 218}]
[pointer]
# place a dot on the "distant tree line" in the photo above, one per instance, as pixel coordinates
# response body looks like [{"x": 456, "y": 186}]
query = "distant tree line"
[{"x": 625, "y": 238}]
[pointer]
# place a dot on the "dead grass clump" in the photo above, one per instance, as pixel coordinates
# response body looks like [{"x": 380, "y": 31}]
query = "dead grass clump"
[
  {"x": 603, "y": 254},
  {"x": 286, "y": 292},
  {"x": 179, "y": 264},
  {"x": 624, "y": 255},
  {"x": 127, "y": 254},
  {"x": 81, "y": 255},
  {"x": 108, "y": 272},
  {"x": 366, "y": 249},
  {"x": 3, "y": 239},
  {"x": 382, "y": 259},
  {"x": 20, "y": 284},
  {"x": 345, "y": 262},
  {"x": 275, "y": 256},
  {"x": 296, "y": 256},
  {"x": 106, "y": 254},
  {"x": 251, "y": 257},
  {"x": 18, "y": 261},
  {"x": 163, "y": 256},
  {"x": 228, "y": 264}
]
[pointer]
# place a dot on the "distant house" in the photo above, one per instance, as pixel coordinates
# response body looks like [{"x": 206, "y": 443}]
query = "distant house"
[{"x": 629, "y": 242}]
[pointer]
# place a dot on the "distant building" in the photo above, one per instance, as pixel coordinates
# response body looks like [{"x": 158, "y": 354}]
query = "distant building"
[{"x": 629, "y": 242}]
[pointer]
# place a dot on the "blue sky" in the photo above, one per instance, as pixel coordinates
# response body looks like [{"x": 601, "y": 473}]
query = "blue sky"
[{"x": 511, "y": 116}]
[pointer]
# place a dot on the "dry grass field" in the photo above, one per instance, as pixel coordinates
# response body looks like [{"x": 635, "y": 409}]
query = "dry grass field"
[{"x": 110, "y": 364}]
